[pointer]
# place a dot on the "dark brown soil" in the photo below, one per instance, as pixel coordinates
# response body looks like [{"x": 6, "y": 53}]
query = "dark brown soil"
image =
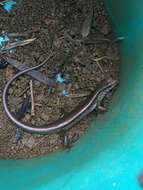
[{"x": 53, "y": 18}]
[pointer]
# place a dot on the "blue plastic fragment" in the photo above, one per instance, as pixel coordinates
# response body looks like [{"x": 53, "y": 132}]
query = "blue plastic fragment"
[
  {"x": 63, "y": 91},
  {"x": 6, "y": 39},
  {"x": 3, "y": 32},
  {"x": 3, "y": 39},
  {"x": 59, "y": 78},
  {"x": 11, "y": 50},
  {"x": 67, "y": 75},
  {"x": 17, "y": 40},
  {"x": 8, "y": 5}
]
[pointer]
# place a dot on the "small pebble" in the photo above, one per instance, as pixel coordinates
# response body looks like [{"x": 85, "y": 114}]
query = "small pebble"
[
  {"x": 105, "y": 29},
  {"x": 57, "y": 43},
  {"x": 27, "y": 117},
  {"x": 53, "y": 138},
  {"x": 44, "y": 116},
  {"x": 39, "y": 97},
  {"x": 11, "y": 90},
  {"x": 33, "y": 122},
  {"x": 28, "y": 141}
]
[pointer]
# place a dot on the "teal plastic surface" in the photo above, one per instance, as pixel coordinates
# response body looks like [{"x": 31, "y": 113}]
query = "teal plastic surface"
[{"x": 109, "y": 156}]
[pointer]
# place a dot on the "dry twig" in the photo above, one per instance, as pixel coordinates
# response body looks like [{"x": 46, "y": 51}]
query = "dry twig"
[
  {"x": 104, "y": 57},
  {"x": 32, "y": 99},
  {"x": 17, "y": 34},
  {"x": 77, "y": 95},
  {"x": 99, "y": 66},
  {"x": 17, "y": 44}
]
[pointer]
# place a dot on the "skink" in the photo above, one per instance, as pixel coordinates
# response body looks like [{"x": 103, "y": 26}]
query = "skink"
[{"x": 84, "y": 108}]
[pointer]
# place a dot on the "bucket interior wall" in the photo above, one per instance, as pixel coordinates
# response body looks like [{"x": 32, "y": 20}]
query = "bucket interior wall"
[{"x": 109, "y": 155}]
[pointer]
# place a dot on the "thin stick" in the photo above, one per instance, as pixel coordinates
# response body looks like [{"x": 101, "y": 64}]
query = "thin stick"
[
  {"x": 69, "y": 87},
  {"x": 99, "y": 66},
  {"x": 36, "y": 104},
  {"x": 58, "y": 101},
  {"x": 32, "y": 98},
  {"x": 101, "y": 58},
  {"x": 76, "y": 95},
  {"x": 104, "y": 57},
  {"x": 17, "y": 34},
  {"x": 24, "y": 91}
]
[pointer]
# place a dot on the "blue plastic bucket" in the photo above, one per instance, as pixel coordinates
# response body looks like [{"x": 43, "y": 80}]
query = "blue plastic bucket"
[{"x": 109, "y": 155}]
